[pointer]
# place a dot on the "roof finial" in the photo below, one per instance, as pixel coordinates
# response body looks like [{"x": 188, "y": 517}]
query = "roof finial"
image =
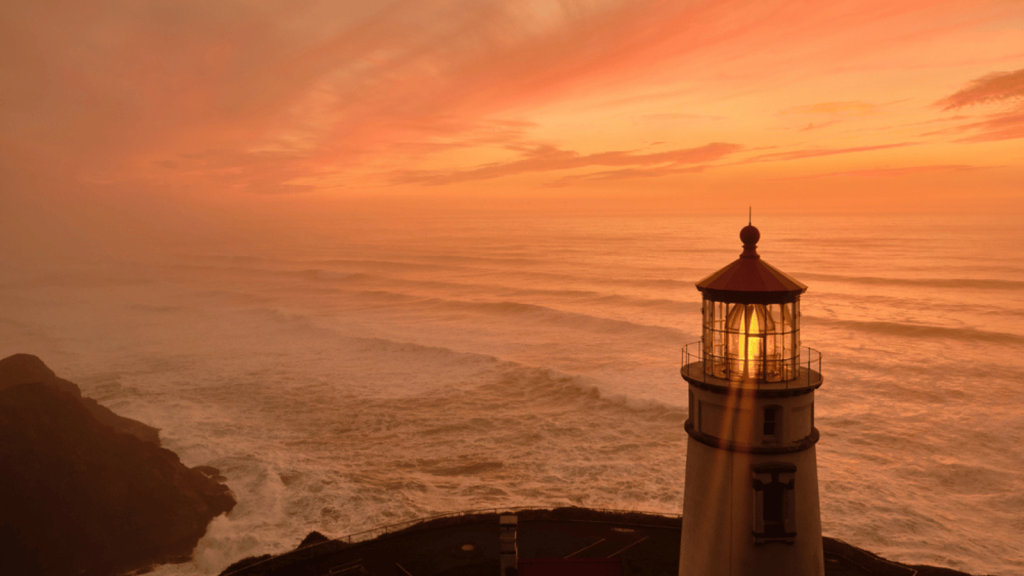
[
  {"x": 750, "y": 235},
  {"x": 750, "y": 216}
]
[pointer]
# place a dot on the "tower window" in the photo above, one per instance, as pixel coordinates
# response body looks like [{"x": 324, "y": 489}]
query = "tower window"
[
  {"x": 692, "y": 406},
  {"x": 774, "y": 503},
  {"x": 771, "y": 424}
]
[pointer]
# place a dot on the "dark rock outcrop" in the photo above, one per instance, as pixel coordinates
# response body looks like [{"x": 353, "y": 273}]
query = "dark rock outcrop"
[
  {"x": 210, "y": 472},
  {"x": 85, "y": 491},
  {"x": 245, "y": 563},
  {"x": 312, "y": 538},
  {"x": 435, "y": 546},
  {"x": 26, "y": 369}
]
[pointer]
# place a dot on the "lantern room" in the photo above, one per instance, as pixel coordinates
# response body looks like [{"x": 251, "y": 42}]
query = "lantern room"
[{"x": 751, "y": 319}]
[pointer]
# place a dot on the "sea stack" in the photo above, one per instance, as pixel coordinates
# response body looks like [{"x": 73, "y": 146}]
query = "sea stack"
[{"x": 750, "y": 504}]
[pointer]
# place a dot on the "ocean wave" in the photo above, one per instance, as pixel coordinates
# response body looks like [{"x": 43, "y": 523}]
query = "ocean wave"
[
  {"x": 446, "y": 259},
  {"x": 638, "y": 302},
  {"x": 530, "y": 279},
  {"x": 386, "y": 264},
  {"x": 551, "y": 388},
  {"x": 320, "y": 274},
  {"x": 322, "y": 270},
  {"x": 537, "y": 313},
  {"x": 246, "y": 258},
  {"x": 544, "y": 385},
  {"x": 333, "y": 275},
  {"x": 856, "y": 302},
  {"x": 468, "y": 469},
  {"x": 605, "y": 280},
  {"x": 968, "y": 283},
  {"x": 966, "y": 334},
  {"x": 589, "y": 296},
  {"x": 484, "y": 280}
]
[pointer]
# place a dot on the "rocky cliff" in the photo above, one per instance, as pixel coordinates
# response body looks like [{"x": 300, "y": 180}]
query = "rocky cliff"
[{"x": 85, "y": 491}]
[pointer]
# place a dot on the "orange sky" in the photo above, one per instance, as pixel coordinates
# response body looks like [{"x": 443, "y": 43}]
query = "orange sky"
[{"x": 786, "y": 105}]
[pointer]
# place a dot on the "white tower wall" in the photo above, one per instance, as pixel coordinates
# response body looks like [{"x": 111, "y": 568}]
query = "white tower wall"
[
  {"x": 718, "y": 523},
  {"x": 727, "y": 452}
]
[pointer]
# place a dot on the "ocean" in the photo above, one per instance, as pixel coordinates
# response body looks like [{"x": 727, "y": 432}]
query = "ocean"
[{"x": 374, "y": 370}]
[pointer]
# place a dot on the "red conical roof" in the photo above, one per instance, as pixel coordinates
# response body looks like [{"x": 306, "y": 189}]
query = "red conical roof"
[{"x": 749, "y": 279}]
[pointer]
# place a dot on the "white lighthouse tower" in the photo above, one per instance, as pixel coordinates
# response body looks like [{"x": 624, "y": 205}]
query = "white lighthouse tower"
[{"x": 751, "y": 499}]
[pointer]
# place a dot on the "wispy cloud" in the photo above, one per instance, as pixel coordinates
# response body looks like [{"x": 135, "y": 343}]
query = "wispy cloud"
[
  {"x": 1005, "y": 126},
  {"x": 672, "y": 118},
  {"x": 266, "y": 172},
  {"x": 815, "y": 152},
  {"x": 995, "y": 88},
  {"x": 889, "y": 172},
  {"x": 991, "y": 88},
  {"x": 627, "y": 174},
  {"x": 817, "y": 125},
  {"x": 840, "y": 109},
  {"x": 546, "y": 158},
  {"x": 827, "y": 114}
]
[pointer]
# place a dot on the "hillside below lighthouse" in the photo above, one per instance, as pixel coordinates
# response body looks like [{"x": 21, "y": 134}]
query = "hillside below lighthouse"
[{"x": 750, "y": 504}]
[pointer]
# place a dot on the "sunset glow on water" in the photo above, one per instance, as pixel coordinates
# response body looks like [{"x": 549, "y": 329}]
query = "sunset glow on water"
[{"x": 380, "y": 260}]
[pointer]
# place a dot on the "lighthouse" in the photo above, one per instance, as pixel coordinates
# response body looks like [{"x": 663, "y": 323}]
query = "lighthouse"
[{"x": 750, "y": 505}]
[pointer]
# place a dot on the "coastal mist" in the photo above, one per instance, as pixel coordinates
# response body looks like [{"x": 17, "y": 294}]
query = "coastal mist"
[{"x": 375, "y": 370}]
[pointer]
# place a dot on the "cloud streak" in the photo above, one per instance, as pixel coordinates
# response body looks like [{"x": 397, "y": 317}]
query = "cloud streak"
[
  {"x": 989, "y": 89},
  {"x": 546, "y": 158},
  {"x": 836, "y": 109},
  {"x": 814, "y": 153},
  {"x": 889, "y": 172},
  {"x": 627, "y": 174},
  {"x": 1005, "y": 126},
  {"x": 995, "y": 88}
]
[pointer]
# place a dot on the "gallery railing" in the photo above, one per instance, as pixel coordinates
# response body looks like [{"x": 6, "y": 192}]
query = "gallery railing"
[{"x": 808, "y": 373}]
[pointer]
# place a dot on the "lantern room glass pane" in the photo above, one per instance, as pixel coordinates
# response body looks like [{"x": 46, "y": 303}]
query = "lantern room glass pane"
[{"x": 751, "y": 341}]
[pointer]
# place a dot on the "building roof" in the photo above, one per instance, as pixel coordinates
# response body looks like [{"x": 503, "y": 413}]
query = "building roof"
[
  {"x": 750, "y": 279},
  {"x": 645, "y": 543}
]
